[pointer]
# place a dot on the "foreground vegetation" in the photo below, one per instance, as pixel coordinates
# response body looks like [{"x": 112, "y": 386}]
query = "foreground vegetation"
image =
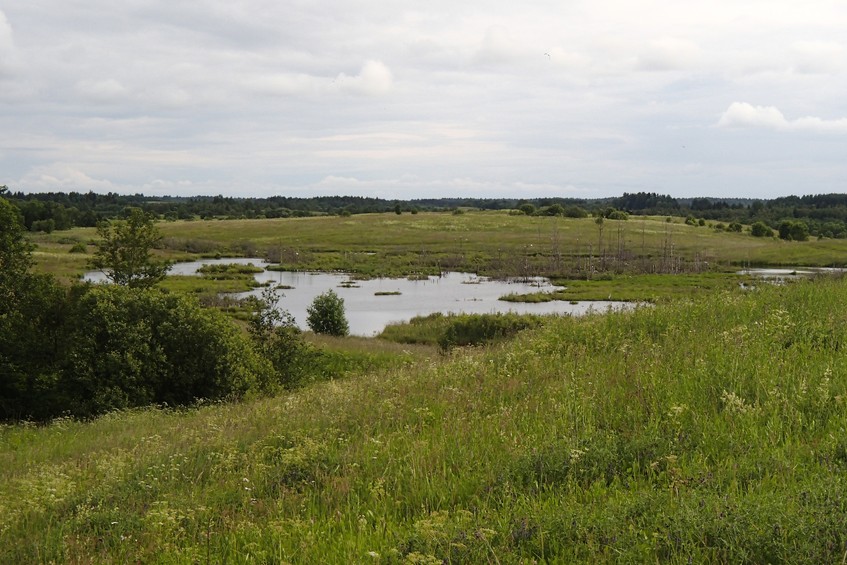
[{"x": 699, "y": 431}]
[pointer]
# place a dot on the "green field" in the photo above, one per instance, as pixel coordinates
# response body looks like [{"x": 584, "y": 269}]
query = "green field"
[
  {"x": 707, "y": 427},
  {"x": 698, "y": 431},
  {"x": 488, "y": 243}
]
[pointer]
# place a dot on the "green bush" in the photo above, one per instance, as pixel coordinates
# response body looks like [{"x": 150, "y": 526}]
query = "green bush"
[
  {"x": 91, "y": 349},
  {"x": 326, "y": 315},
  {"x": 419, "y": 330},
  {"x": 477, "y": 329},
  {"x": 761, "y": 229},
  {"x": 32, "y": 346},
  {"x": 94, "y": 349},
  {"x": 575, "y": 212},
  {"x": 279, "y": 340},
  {"x": 527, "y": 208},
  {"x": 554, "y": 210},
  {"x": 46, "y": 226},
  {"x": 133, "y": 347},
  {"x": 793, "y": 230}
]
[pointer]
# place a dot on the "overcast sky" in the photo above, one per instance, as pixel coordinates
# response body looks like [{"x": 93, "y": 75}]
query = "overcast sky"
[{"x": 398, "y": 99}]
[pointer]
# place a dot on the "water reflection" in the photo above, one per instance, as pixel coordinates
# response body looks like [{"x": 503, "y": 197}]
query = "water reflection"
[{"x": 370, "y": 305}]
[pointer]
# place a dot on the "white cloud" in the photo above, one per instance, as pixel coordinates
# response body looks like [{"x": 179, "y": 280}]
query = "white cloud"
[
  {"x": 166, "y": 186},
  {"x": 234, "y": 97},
  {"x": 64, "y": 177},
  {"x": 498, "y": 47},
  {"x": 812, "y": 57},
  {"x": 375, "y": 79},
  {"x": 569, "y": 59},
  {"x": 744, "y": 115},
  {"x": 451, "y": 186},
  {"x": 284, "y": 84},
  {"x": 668, "y": 54},
  {"x": 102, "y": 91},
  {"x": 8, "y": 52}
]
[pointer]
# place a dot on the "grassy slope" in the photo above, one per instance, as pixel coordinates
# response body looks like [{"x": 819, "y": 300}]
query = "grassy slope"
[{"x": 711, "y": 430}]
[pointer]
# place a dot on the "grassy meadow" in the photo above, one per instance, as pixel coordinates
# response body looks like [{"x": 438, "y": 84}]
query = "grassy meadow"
[
  {"x": 708, "y": 431},
  {"x": 709, "y": 427},
  {"x": 488, "y": 243}
]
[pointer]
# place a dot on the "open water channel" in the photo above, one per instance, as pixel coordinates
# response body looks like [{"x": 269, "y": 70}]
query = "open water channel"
[{"x": 368, "y": 312}]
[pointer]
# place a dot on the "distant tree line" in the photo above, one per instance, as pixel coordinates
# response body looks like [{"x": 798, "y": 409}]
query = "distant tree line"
[{"x": 825, "y": 215}]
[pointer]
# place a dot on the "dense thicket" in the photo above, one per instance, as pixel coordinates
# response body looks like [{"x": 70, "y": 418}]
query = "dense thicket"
[
  {"x": 89, "y": 349},
  {"x": 93, "y": 349}
]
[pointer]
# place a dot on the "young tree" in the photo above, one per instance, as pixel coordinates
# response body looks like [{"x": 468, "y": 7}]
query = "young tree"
[
  {"x": 326, "y": 315},
  {"x": 124, "y": 251},
  {"x": 277, "y": 337}
]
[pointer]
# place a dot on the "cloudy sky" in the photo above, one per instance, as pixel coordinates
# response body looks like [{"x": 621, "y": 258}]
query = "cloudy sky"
[{"x": 399, "y": 99}]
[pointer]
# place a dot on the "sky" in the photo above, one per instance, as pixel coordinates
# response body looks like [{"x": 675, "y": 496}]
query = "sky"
[{"x": 403, "y": 100}]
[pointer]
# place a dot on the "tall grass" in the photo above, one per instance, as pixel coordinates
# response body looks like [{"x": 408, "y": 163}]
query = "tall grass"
[{"x": 699, "y": 431}]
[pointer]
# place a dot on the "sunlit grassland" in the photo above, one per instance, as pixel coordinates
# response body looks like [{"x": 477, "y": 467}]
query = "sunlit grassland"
[
  {"x": 490, "y": 233},
  {"x": 649, "y": 288},
  {"x": 697, "y": 431},
  {"x": 492, "y": 243}
]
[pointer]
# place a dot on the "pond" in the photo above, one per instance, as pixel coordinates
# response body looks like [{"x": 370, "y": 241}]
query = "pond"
[
  {"x": 789, "y": 273},
  {"x": 372, "y": 304}
]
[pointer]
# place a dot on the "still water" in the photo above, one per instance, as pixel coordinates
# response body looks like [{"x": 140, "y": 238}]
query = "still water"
[{"x": 368, "y": 313}]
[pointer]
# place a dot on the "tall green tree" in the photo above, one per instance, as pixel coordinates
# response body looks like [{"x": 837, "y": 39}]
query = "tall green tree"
[
  {"x": 124, "y": 251},
  {"x": 30, "y": 307},
  {"x": 15, "y": 253}
]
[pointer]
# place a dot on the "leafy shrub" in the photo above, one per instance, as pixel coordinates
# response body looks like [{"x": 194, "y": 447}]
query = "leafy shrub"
[
  {"x": 575, "y": 212},
  {"x": 554, "y": 210},
  {"x": 793, "y": 230},
  {"x": 612, "y": 214},
  {"x": 527, "y": 208},
  {"x": 279, "y": 340},
  {"x": 419, "y": 330},
  {"x": 326, "y": 315},
  {"x": 131, "y": 347},
  {"x": 761, "y": 229},
  {"x": 46, "y": 226},
  {"x": 31, "y": 348},
  {"x": 78, "y": 247},
  {"x": 476, "y": 329},
  {"x": 95, "y": 349}
]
